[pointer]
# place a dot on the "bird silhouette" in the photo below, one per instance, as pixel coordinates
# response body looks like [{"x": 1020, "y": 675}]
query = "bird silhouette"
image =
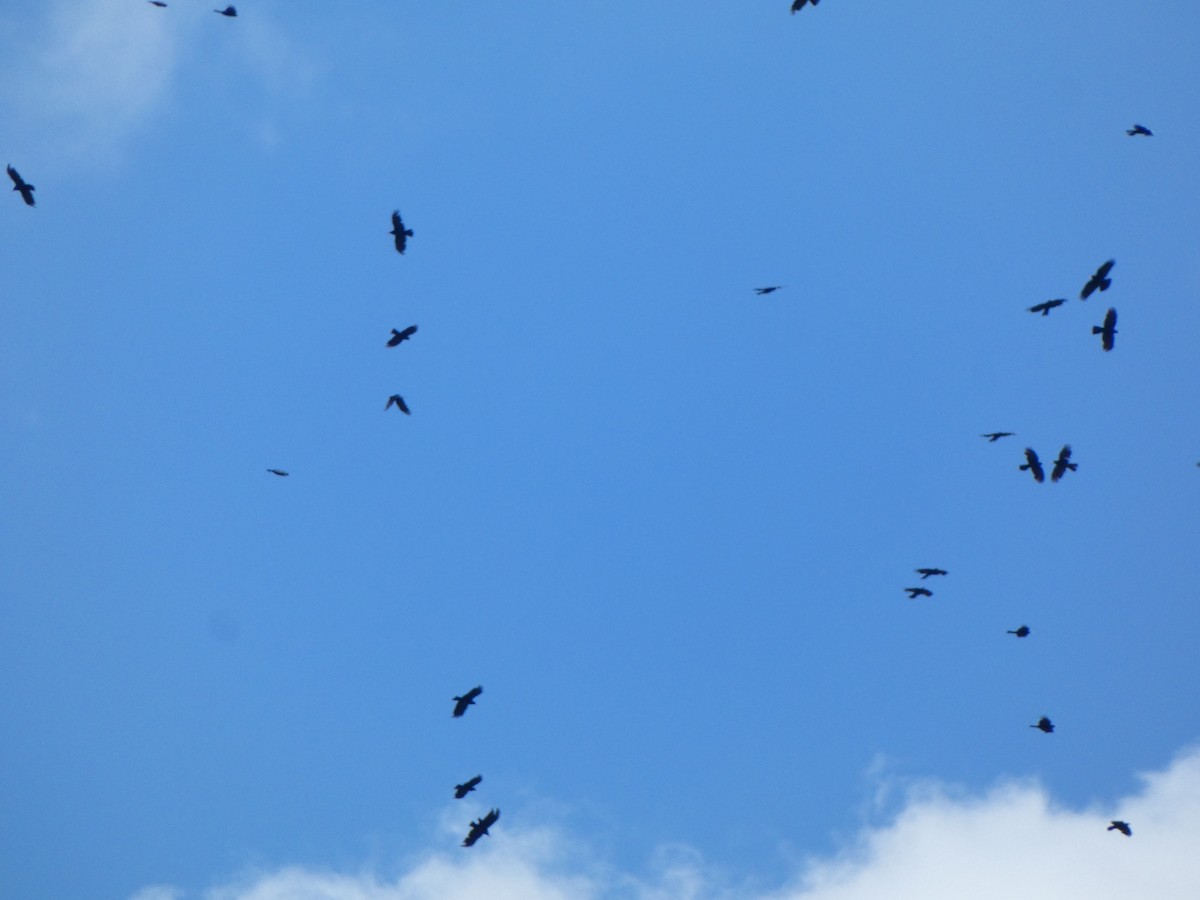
[
  {"x": 401, "y": 233},
  {"x": 798, "y": 5},
  {"x": 1140, "y": 129},
  {"x": 1034, "y": 465},
  {"x": 767, "y": 290},
  {"x": 915, "y": 592},
  {"x": 480, "y": 827},
  {"x": 1123, "y": 827},
  {"x": 467, "y": 699},
  {"x": 1063, "y": 463},
  {"x": 157, "y": 3},
  {"x": 461, "y": 790},
  {"x": 925, "y": 573},
  {"x": 1108, "y": 330},
  {"x": 22, "y": 186},
  {"x": 1046, "y": 305},
  {"x": 398, "y": 336},
  {"x": 1099, "y": 280},
  {"x": 1021, "y": 632},
  {"x": 996, "y": 435},
  {"x": 279, "y": 472},
  {"x": 227, "y": 11},
  {"x": 397, "y": 401},
  {"x": 1044, "y": 724}
]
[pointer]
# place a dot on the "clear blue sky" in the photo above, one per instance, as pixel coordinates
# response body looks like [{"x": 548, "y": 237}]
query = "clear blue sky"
[{"x": 665, "y": 522}]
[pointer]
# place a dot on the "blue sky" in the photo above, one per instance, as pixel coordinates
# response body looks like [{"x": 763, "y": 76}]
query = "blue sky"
[{"x": 665, "y": 522}]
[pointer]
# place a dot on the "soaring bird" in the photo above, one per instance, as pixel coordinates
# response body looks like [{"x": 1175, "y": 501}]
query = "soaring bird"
[
  {"x": 279, "y": 472},
  {"x": 1107, "y": 330},
  {"x": 798, "y": 5},
  {"x": 925, "y": 573},
  {"x": 1046, "y": 305},
  {"x": 20, "y": 184},
  {"x": 397, "y": 401},
  {"x": 1033, "y": 464},
  {"x": 1118, "y": 825},
  {"x": 1023, "y": 631},
  {"x": 1044, "y": 724},
  {"x": 996, "y": 435},
  {"x": 461, "y": 790},
  {"x": 227, "y": 11},
  {"x": 398, "y": 336},
  {"x": 480, "y": 827},
  {"x": 1063, "y": 463},
  {"x": 1098, "y": 281},
  {"x": 467, "y": 699},
  {"x": 157, "y": 3},
  {"x": 767, "y": 290},
  {"x": 914, "y": 593},
  {"x": 401, "y": 233},
  {"x": 1140, "y": 129}
]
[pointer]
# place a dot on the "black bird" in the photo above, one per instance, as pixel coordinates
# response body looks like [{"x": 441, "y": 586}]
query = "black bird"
[
  {"x": 1034, "y": 465},
  {"x": 925, "y": 573},
  {"x": 279, "y": 472},
  {"x": 157, "y": 3},
  {"x": 1140, "y": 129},
  {"x": 20, "y": 184},
  {"x": 467, "y": 699},
  {"x": 1107, "y": 330},
  {"x": 798, "y": 5},
  {"x": 402, "y": 234},
  {"x": 996, "y": 435},
  {"x": 227, "y": 11},
  {"x": 1123, "y": 827},
  {"x": 1023, "y": 631},
  {"x": 461, "y": 790},
  {"x": 1063, "y": 463},
  {"x": 1044, "y": 724},
  {"x": 398, "y": 336},
  {"x": 767, "y": 290},
  {"x": 480, "y": 827},
  {"x": 399, "y": 403},
  {"x": 914, "y": 593},
  {"x": 1099, "y": 280},
  {"x": 1046, "y": 305}
]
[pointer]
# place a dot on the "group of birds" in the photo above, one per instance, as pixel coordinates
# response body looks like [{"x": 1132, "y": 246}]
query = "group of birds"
[
  {"x": 481, "y": 825},
  {"x": 229, "y": 11},
  {"x": 1098, "y": 282}
]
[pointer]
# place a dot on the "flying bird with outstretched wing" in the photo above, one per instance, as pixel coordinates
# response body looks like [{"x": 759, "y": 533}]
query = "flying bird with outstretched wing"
[
  {"x": 996, "y": 435},
  {"x": 798, "y": 5},
  {"x": 24, "y": 188},
  {"x": 279, "y": 472},
  {"x": 1139, "y": 129},
  {"x": 398, "y": 336},
  {"x": 461, "y": 790},
  {"x": 229, "y": 11},
  {"x": 915, "y": 592},
  {"x": 1034, "y": 465},
  {"x": 1063, "y": 463},
  {"x": 1108, "y": 330},
  {"x": 767, "y": 290},
  {"x": 397, "y": 401},
  {"x": 925, "y": 573},
  {"x": 1021, "y": 632},
  {"x": 467, "y": 699},
  {"x": 1123, "y": 827},
  {"x": 401, "y": 233},
  {"x": 480, "y": 827},
  {"x": 1099, "y": 280},
  {"x": 1044, "y": 724},
  {"x": 1046, "y": 305}
]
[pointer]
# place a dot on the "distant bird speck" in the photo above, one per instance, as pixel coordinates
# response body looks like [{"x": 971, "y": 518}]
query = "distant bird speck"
[
  {"x": 227, "y": 11},
  {"x": 401, "y": 233},
  {"x": 397, "y": 401},
  {"x": 1034, "y": 465},
  {"x": 996, "y": 435},
  {"x": 1108, "y": 330},
  {"x": 925, "y": 573},
  {"x": 1123, "y": 827},
  {"x": 1099, "y": 280},
  {"x": 157, "y": 3},
  {"x": 480, "y": 827},
  {"x": 1140, "y": 129},
  {"x": 467, "y": 699},
  {"x": 1046, "y": 305},
  {"x": 279, "y": 472},
  {"x": 1021, "y": 632},
  {"x": 767, "y": 290},
  {"x": 1063, "y": 463},
  {"x": 915, "y": 592},
  {"x": 798, "y": 5},
  {"x": 22, "y": 186},
  {"x": 398, "y": 336},
  {"x": 1044, "y": 724},
  {"x": 461, "y": 790}
]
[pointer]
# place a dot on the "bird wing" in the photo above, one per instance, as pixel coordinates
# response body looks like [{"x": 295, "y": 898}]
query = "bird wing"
[
  {"x": 403, "y": 406},
  {"x": 1102, "y": 272},
  {"x": 15, "y": 176},
  {"x": 490, "y": 819},
  {"x": 474, "y": 781},
  {"x": 473, "y": 693},
  {"x": 408, "y": 332}
]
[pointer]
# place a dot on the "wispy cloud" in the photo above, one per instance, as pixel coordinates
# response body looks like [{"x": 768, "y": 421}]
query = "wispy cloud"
[{"x": 944, "y": 844}]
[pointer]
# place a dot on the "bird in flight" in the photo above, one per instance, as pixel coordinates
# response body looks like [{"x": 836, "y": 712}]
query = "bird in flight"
[
  {"x": 278, "y": 472},
  {"x": 767, "y": 290},
  {"x": 20, "y": 184},
  {"x": 996, "y": 435},
  {"x": 397, "y": 401},
  {"x": 1033, "y": 464},
  {"x": 1108, "y": 330},
  {"x": 925, "y": 573},
  {"x": 1046, "y": 305},
  {"x": 1123, "y": 827},
  {"x": 461, "y": 790},
  {"x": 1023, "y": 631},
  {"x": 401, "y": 233},
  {"x": 914, "y": 593},
  {"x": 1063, "y": 463},
  {"x": 1098, "y": 281},
  {"x": 159, "y": 3},
  {"x": 467, "y": 699},
  {"x": 398, "y": 336},
  {"x": 227, "y": 11},
  {"x": 1044, "y": 724},
  {"x": 1139, "y": 129},
  {"x": 480, "y": 827},
  {"x": 798, "y": 5}
]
